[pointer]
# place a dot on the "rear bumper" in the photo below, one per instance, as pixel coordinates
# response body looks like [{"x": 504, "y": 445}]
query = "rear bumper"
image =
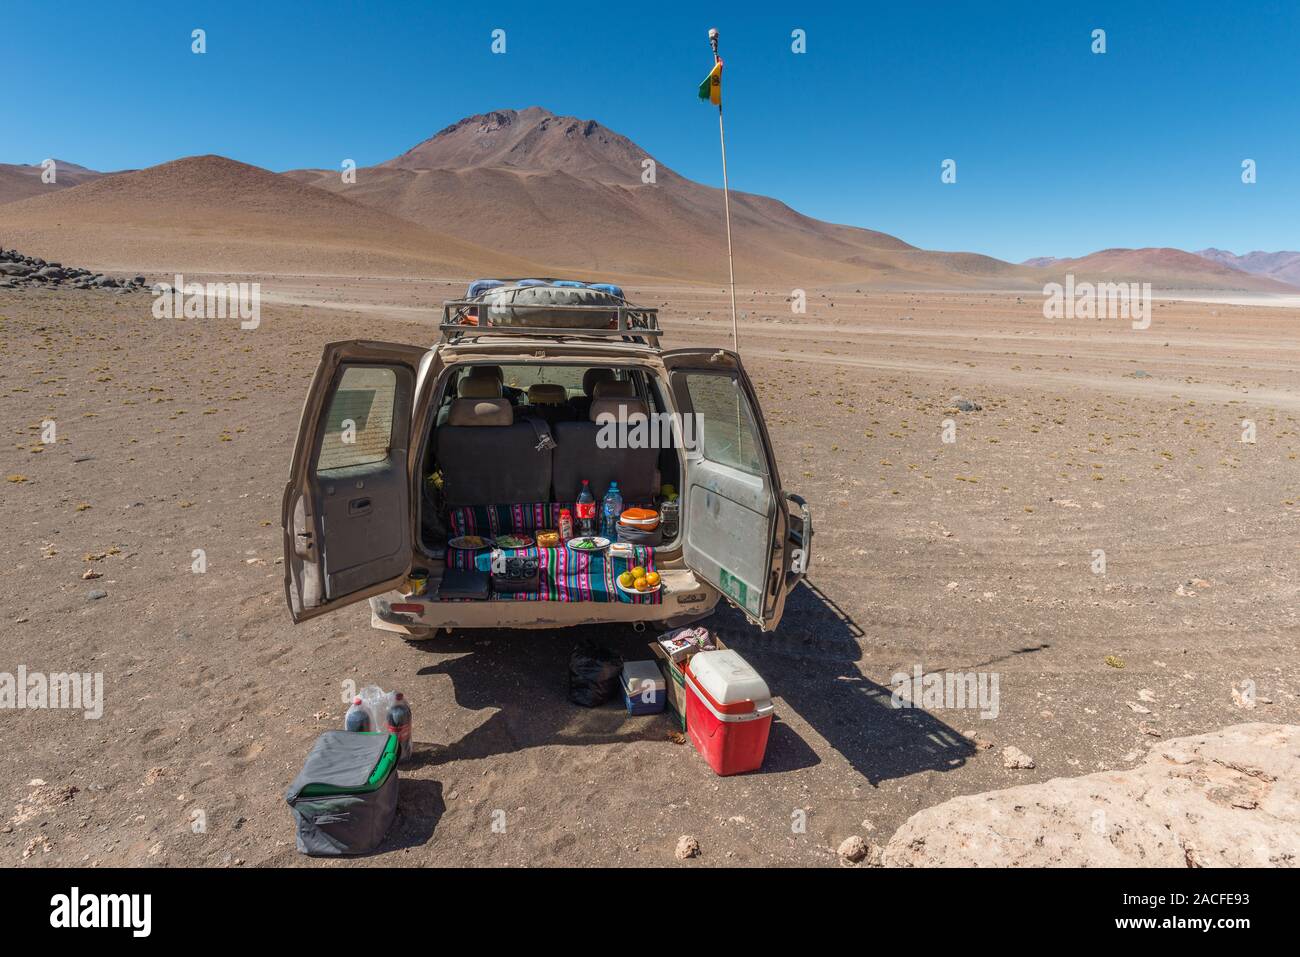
[{"x": 685, "y": 598}]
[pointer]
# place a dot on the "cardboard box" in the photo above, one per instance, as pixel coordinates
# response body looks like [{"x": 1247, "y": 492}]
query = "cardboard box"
[{"x": 675, "y": 680}]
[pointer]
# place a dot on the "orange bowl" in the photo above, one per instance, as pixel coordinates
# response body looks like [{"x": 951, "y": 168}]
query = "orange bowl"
[
  {"x": 641, "y": 526},
  {"x": 643, "y": 518}
]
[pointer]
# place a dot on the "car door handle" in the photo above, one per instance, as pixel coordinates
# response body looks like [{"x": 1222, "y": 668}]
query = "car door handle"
[{"x": 359, "y": 506}]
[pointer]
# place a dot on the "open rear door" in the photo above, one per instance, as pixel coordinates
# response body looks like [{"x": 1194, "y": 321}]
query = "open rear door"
[
  {"x": 734, "y": 513},
  {"x": 347, "y": 509}
]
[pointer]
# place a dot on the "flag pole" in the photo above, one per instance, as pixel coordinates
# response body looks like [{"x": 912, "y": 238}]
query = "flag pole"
[{"x": 726, "y": 201}]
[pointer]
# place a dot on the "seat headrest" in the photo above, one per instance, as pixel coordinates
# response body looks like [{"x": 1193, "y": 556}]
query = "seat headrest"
[
  {"x": 610, "y": 406},
  {"x": 478, "y": 387},
  {"x": 613, "y": 389},
  {"x": 481, "y": 412},
  {"x": 547, "y": 393},
  {"x": 593, "y": 376}
]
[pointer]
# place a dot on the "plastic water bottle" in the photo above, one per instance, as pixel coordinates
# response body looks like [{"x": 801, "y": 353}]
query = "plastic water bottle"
[
  {"x": 399, "y": 723},
  {"x": 586, "y": 509},
  {"x": 613, "y": 508},
  {"x": 358, "y": 716}
]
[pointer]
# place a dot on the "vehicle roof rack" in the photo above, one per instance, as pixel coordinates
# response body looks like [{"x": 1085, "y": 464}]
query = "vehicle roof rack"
[{"x": 464, "y": 319}]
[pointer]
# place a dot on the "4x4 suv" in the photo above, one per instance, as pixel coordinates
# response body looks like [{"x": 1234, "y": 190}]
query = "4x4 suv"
[{"x": 403, "y": 448}]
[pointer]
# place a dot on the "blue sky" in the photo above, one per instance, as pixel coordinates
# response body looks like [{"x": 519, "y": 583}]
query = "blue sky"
[{"x": 1059, "y": 151}]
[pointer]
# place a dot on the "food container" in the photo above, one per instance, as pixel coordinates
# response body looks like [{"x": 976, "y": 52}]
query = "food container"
[
  {"x": 645, "y": 519},
  {"x": 566, "y": 526},
  {"x": 416, "y": 582},
  {"x": 669, "y": 518},
  {"x": 644, "y": 687},
  {"x": 728, "y": 711},
  {"x": 548, "y": 539}
]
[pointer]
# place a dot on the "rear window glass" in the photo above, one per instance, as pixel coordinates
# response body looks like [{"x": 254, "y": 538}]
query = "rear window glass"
[
  {"x": 730, "y": 437},
  {"x": 359, "y": 424},
  {"x": 570, "y": 377},
  {"x": 521, "y": 377}
]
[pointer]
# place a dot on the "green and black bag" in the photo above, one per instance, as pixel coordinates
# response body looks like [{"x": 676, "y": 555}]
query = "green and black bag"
[{"x": 345, "y": 798}]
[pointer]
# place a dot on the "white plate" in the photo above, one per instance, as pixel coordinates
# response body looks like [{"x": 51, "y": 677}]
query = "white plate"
[
  {"x": 601, "y": 544},
  {"x": 633, "y": 591}
]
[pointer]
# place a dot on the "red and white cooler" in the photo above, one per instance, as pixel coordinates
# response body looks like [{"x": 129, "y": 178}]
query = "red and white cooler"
[{"x": 728, "y": 711}]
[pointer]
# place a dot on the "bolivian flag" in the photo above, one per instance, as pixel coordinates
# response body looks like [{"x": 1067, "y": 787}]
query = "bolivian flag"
[{"x": 711, "y": 88}]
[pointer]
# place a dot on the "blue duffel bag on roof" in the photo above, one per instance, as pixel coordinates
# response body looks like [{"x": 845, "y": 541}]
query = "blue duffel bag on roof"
[{"x": 480, "y": 286}]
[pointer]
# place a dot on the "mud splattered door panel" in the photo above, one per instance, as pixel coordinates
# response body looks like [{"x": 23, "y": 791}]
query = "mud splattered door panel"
[
  {"x": 729, "y": 508},
  {"x": 347, "y": 506}
]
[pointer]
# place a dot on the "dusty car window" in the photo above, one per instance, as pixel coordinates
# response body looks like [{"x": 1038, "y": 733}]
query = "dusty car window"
[
  {"x": 521, "y": 377},
  {"x": 730, "y": 437},
  {"x": 359, "y": 424}
]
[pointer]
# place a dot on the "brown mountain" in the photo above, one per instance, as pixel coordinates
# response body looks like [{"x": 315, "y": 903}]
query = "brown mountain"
[
  {"x": 1164, "y": 268},
  {"x": 511, "y": 193},
  {"x": 209, "y": 213},
  {"x": 570, "y": 193},
  {"x": 22, "y": 181},
  {"x": 531, "y": 140}
]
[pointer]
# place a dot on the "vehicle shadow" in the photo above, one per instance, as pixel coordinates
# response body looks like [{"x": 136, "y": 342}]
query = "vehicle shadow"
[
  {"x": 522, "y": 676},
  {"x": 809, "y": 664}
]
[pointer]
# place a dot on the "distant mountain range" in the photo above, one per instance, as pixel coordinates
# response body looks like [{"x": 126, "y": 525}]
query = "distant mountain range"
[
  {"x": 21, "y": 181},
  {"x": 1284, "y": 266},
  {"x": 1157, "y": 264},
  {"x": 1165, "y": 267},
  {"x": 584, "y": 198},
  {"x": 212, "y": 214},
  {"x": 515, "y": 192}
]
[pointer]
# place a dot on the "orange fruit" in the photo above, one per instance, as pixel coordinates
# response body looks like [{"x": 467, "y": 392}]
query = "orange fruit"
[
  {"x": 652, "y": 579},
  {"x": 641, "y": 584},
  {"x": 638, "y": 572}
]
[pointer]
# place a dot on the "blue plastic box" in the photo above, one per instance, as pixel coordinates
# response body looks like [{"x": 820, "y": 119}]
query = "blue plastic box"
[{"x": 644, "y": 689}]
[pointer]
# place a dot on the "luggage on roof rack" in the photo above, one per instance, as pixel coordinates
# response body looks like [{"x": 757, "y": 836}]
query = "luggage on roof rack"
[
  {"x": 548, "y": 310},
  {"x": 549, "y": 307},
  {"x": 480, "y": 286}
]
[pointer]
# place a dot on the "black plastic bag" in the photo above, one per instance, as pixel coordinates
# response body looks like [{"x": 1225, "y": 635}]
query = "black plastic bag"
[{"x": 595, "y": 674}]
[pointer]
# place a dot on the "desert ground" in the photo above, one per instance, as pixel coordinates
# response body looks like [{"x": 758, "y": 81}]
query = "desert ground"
[{"x": 978, "y": 554}]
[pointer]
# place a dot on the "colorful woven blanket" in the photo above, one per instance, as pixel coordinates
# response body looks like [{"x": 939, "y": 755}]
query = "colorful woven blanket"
[
  {"x": 569, "y": 575},
  {"x": 494, "y": 520}
]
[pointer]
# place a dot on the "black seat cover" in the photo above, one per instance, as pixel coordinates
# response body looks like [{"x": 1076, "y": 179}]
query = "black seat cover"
[
  {"x": 495, "y": 463},
  {"x": 579, "y": 456}
]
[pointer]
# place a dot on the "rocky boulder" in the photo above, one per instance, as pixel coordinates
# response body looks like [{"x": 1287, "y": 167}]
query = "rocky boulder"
[
  {"x": 1226, "y": 799},
  {"x": 31, "y": 272}
]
